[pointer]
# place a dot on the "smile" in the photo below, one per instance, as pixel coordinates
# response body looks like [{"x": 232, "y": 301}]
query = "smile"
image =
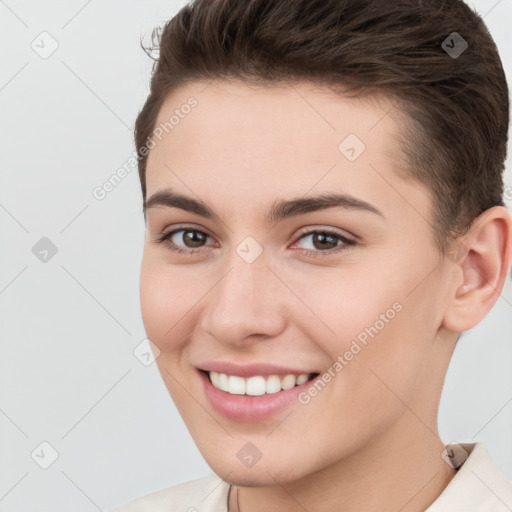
[
  {"x": 255, "y": 397},
  {"x": 258, "y": 384}
]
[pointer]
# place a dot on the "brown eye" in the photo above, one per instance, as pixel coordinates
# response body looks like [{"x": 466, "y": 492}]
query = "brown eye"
[
  {"x": 193, "y": 238},
  {"x": 183, "y": 240},
  {"x": 325, "y": 242}
]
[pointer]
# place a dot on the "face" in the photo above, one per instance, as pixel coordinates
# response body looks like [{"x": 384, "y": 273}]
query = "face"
[{"x": 254, "y": 278}]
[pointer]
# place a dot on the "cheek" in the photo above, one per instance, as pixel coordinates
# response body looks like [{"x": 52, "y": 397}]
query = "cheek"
[
  {"x": 377, "y": 328},
  {"x": 167, "y": 299},
  {"x": 346, "y": 304}
]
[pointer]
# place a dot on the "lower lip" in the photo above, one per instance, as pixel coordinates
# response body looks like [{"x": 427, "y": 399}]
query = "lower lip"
[{"x": 250, "y": 408}]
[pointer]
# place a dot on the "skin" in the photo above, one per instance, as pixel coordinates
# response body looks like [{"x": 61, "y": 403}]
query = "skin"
[{"x": 369, "y": 439}]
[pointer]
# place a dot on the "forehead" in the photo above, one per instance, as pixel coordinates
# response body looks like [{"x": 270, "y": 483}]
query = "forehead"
[
  {"x": 286, "y": 140},
  {"x": 281, "y": 116},
  {"x": 300, "y": 120}
]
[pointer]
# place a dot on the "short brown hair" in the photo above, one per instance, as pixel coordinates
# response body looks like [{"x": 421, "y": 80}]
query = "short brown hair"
[{"x": 456, "y": 107}]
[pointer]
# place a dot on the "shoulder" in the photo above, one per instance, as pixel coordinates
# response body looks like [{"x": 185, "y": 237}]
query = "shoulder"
[
  {"x": 207, "y": 494},
  {"x": 478, "y": 486}
]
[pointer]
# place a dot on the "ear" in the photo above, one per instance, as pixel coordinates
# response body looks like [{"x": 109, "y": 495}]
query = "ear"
[{"x": 484, "y": 258}]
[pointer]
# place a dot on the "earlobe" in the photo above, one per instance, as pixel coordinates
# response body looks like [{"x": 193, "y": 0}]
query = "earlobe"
[{"x": 482, "y": 271}]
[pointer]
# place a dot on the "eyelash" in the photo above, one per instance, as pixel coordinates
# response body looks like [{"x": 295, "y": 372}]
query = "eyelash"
[{"x": 164, "y": 239}]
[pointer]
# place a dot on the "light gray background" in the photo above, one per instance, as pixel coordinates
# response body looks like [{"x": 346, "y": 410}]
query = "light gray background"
[{"x": 68, "y": 375}]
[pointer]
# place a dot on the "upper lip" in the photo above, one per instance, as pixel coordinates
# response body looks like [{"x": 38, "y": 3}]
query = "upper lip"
[{"x": 250, "y": 370}]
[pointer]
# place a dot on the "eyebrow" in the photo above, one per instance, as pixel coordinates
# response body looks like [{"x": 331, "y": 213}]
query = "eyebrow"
[{"x": 280, "y": 210}]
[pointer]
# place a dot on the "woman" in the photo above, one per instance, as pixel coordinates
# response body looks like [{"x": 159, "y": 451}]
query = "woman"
[{"x": 322, "y": 186}]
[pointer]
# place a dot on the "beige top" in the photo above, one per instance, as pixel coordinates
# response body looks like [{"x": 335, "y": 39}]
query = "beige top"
[{"x": 478, "y": 486}]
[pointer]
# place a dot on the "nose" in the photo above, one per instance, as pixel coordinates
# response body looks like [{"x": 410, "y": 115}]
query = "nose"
[{"x": 246, "y": 305}]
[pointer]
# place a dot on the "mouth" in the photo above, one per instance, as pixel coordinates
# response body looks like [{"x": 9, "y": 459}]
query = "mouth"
[
  {"x": 230, "y": 395},
  {"x": 252, "y": 392},
  {"x": 257, "y": 385}
]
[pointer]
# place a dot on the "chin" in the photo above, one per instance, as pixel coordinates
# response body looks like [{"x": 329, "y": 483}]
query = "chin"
[
  {"x": 249, "y": 479},
  {"x": 262, "y": 474}
]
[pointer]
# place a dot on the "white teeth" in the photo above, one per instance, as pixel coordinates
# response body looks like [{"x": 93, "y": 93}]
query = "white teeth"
[
  {"x": 301, "y": 379},
  {"x": 273, "y": 384},
  {"x": 214, "y": 377},
  {"x": 219, "y": 380},
  {"x": 288, "y": 382},
  {"x": 236, "y": 385},
  {"x": 257, "y": 385}
]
